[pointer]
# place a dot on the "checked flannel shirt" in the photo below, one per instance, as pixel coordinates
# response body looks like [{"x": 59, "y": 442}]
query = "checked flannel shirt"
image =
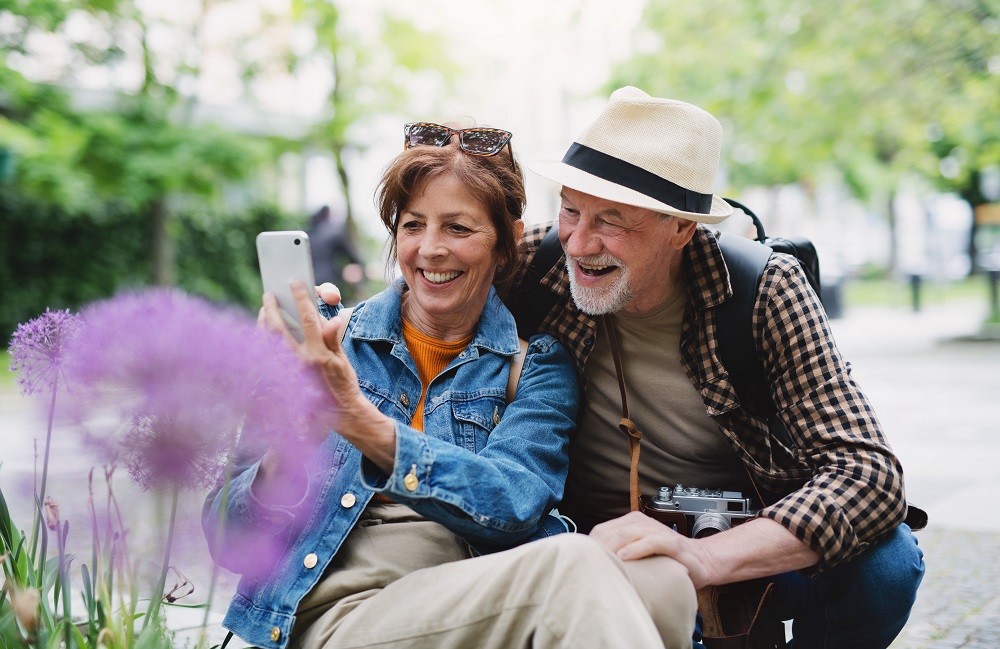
[{"x": 839, "y": 487}]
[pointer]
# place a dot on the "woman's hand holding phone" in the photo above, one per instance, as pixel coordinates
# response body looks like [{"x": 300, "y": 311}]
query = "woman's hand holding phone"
[{"x": 354, "y": 417}]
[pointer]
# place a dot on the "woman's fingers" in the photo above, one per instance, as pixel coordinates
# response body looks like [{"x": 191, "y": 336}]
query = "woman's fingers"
[
  {"x": 329, "y": 293},
  {"x": 271, "y": 319},
  {"x": 308, "y": 314}
]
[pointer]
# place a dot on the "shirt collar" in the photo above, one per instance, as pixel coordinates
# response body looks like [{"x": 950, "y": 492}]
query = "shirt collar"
[{"x": 380, "y": 318}]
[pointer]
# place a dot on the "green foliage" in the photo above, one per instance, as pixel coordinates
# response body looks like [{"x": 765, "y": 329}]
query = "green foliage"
[
  {"x": 50, "y": 257},
  {"x": 368, "y": 77},
  {"x": 857, "y": 85}
]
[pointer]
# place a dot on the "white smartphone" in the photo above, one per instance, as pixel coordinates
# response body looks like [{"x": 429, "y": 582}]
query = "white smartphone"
[{"x": 284, "y": 256}]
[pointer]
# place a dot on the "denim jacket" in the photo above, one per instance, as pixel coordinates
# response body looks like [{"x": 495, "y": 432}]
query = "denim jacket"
[{"x": 486, "y": 469}]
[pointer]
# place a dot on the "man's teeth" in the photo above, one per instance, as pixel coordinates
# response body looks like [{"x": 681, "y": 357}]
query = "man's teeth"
[
  {"x": 595, "y": 269},
  {"x": 441, "y": 278}
]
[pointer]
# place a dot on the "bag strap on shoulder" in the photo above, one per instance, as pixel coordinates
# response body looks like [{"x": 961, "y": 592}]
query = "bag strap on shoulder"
[{"x": 530, "y": 302}]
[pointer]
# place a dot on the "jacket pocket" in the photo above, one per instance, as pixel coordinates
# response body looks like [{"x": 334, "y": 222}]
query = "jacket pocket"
[{"x": 475, "y": 419}]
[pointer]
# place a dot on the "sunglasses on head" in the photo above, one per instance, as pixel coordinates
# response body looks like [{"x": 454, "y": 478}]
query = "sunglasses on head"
[{"x": 474, "y": 141}]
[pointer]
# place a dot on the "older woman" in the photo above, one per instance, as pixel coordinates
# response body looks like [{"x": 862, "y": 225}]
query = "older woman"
[{"x": 434, "y": 462}]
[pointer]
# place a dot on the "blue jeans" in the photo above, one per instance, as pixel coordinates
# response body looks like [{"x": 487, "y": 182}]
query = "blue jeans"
[{"x": 860, "y": 604}]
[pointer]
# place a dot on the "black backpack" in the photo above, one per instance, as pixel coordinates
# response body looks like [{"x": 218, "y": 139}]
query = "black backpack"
[{"x": 530, "y": 302}]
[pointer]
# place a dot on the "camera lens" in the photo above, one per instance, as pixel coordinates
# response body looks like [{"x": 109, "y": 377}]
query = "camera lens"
[
  {"x": 298, "y": 241},
  {"x": 709, "y": 524}
]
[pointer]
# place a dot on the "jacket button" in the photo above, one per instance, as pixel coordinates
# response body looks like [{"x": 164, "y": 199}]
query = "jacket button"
[
  {"x": 275, "y": 634},
  {"x": 310, "y": 561},
  {"x": 405, "y": 400},
  {"x": 348, "y": 500},
  {"x": 411, "y": 482}
]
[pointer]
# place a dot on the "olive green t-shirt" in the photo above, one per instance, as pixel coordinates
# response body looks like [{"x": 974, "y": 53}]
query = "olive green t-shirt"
[{"x": 680, "y": 443}]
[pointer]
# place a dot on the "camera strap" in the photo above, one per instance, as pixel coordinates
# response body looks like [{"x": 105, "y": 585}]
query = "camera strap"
[{"x": 627, "y": 426}]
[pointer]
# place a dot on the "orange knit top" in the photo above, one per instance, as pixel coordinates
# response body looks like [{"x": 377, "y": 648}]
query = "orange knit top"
[{"x": 431, "y": 357}]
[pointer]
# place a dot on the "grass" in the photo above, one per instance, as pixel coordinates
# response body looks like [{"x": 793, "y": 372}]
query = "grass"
[
  {"x": 7, "y": 378},
  {"x": 887, "y": 292}
]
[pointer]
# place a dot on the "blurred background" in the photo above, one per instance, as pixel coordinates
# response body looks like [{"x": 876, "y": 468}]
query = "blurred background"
[{"x": 147, "y": 143}]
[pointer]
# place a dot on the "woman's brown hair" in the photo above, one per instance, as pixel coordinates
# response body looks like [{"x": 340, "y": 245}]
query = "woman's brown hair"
[{"x": 496, "y": 181}]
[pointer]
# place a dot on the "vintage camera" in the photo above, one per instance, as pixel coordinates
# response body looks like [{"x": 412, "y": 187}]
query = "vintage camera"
[{"x": 697, "y": 512}]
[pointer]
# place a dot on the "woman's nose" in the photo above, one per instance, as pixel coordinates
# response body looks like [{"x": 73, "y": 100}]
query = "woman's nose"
[{"x": 432, "y": 244}]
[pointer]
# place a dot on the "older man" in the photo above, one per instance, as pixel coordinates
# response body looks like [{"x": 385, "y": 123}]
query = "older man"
[{"x": 635, "y": 297}]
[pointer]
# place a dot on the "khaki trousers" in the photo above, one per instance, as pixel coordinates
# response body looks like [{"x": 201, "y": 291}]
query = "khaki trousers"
[{"x": 402, "y": 581}]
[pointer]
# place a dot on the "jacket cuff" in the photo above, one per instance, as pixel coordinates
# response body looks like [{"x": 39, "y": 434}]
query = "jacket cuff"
[{"x": 410, "y": 477}]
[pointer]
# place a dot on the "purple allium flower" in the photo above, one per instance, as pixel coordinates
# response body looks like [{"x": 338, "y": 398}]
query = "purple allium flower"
[
  {"x": 37, "y": 349},
  {"x": 165, "y": 381}
]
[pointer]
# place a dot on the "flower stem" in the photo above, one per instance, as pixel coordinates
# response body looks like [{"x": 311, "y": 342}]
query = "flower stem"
[
  {"x": 157, "y": 597},
  {"x": 39, "y": 519},
  {"x": 220, "y": 526}
]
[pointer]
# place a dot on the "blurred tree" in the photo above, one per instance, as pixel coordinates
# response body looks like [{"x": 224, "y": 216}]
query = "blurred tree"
[
  {"x": 369, "y": 75},
  {"x": 139, "y": 153},
  {"x": 872, "y": 89}
]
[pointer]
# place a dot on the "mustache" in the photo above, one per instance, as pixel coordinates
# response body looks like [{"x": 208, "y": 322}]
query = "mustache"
[{"x": 605, "y": 259}]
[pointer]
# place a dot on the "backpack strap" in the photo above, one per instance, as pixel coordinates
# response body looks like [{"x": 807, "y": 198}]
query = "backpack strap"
[
  {"x": 347, "y": 312},
  {"x": 745, "y": 260},
  {"x": 516, "y": 365},
  {"x": 530, "y": 302}
]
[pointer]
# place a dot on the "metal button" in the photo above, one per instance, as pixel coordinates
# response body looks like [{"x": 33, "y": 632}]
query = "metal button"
[
  {"x": 310, "y": 561},
  {"x": 348, "y": 500},
  {"x": 496, "y": 415},
  {"x": 275, "y": 634},
  {"x": 405, "y": 400},
  {"x": 410, "y": 481}
]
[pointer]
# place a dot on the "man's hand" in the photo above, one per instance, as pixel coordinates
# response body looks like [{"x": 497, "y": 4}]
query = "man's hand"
[
  {"x": 636, "y": 536},
  {"x": 757, "y": 548}
]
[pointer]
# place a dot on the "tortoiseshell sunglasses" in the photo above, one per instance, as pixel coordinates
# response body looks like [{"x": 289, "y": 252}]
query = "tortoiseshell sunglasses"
[{"x": 474, "y": 141}]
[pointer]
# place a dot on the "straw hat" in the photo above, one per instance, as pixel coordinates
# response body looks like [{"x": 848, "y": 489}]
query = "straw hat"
[{"x": 660, "y": 154}]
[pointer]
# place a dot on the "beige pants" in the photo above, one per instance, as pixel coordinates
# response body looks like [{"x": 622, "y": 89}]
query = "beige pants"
[{"x": 400, "y": 581}]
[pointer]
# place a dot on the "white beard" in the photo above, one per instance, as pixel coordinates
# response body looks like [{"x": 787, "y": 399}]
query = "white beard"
[{"x": 598, "y": 301}]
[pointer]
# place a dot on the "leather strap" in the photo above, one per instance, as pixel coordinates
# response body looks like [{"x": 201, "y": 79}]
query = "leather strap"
[
  {"x": 516, "y": 365},
  {"x": 627, "y": 426},
  {"x": 740, "y": 616},
  {"x": 345, "y": 313}
]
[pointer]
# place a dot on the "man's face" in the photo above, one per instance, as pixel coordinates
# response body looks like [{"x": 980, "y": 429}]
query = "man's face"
[{"x": 619, "y": 257}]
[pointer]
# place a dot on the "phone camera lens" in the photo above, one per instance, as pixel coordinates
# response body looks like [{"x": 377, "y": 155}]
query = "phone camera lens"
[{"x": 298, "y": 241}]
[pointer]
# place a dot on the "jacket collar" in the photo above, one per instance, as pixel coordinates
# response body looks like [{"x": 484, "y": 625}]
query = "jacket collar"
[
  {"x": 707, "y": 275},
  {"x": 380, "y": 318}
]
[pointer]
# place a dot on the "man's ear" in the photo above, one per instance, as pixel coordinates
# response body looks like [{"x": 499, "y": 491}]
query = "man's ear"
[{"x": 683, "y": 232}]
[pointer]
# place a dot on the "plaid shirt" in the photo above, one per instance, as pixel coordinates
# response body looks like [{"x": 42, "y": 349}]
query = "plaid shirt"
[{"x": 839, "y": 485}]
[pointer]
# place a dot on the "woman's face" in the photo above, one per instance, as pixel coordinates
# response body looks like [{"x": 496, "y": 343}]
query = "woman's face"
[{"x": 446, "y": 248}]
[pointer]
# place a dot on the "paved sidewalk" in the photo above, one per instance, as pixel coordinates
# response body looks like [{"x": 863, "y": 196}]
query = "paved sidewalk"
[{"x": 935, "y": 388}]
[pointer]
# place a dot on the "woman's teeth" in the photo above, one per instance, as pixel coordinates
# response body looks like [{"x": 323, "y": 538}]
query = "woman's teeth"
[{"x": 440, "y": 278}]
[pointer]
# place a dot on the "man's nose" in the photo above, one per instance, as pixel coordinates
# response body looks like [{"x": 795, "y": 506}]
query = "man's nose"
[{"x": 580, "y": 240}]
